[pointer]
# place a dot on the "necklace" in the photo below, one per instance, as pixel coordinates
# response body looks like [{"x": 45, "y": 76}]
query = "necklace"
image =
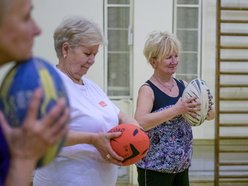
[{"x": 168, "y": 87}]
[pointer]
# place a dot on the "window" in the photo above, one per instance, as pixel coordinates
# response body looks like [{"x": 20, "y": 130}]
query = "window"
[
  {"x": 118, "y": 31},
  {"x": 187, "y": 27}
]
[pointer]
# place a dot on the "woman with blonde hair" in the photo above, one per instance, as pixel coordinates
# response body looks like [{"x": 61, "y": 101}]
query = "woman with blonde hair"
[{"x": 159, "y": 111}]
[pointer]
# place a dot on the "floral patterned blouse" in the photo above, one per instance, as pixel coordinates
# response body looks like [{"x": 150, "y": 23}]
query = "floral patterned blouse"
[{"x": 170, "y": 142}]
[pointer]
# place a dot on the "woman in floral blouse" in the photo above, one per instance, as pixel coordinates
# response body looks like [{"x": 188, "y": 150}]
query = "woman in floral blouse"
[{"x": 159, "y": 111}]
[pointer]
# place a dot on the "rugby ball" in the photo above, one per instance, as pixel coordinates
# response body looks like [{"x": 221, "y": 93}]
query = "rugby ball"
[
  {"x": 17, "y": 90},
  {"x": 199, "y": 89}
]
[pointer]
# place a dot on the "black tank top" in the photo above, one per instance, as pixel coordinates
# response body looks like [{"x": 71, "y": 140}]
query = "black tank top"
[{"x": 161, "y": 99}]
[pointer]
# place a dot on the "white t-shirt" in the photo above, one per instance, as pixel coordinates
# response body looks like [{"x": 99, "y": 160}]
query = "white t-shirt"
[{"x": 82, "y": 165}]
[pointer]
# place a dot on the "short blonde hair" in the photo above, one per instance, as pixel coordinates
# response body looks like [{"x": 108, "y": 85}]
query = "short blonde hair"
[
  {"x": 76, "y": 31},
  {"x": 160, "y": 45}
]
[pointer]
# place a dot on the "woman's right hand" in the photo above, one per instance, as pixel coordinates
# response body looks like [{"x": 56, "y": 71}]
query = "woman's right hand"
[
  {"x": 29, "y": 142},
  {"x": 34, "y": 137},
  {"x": 189, "y": 106},
  {"x": 102, "y": 143}
]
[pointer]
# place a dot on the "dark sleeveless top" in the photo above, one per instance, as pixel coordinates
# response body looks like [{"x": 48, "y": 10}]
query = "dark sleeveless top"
[
  {"x": 170, "y": 142},
  {"x": 161, "y": 99}
]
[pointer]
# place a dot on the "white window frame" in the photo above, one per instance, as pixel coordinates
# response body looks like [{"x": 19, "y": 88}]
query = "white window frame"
[
  {"x": 199, "y": 30},
  {"x": 130, "y": 44}
]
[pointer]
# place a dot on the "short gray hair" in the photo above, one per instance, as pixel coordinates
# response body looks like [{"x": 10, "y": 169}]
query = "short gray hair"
[
  {"x": 160, "y": 45},
  {"x": 76, "y": 31}
]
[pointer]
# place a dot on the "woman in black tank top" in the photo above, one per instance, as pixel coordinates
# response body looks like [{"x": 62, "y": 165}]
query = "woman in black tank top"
[{"x": 159, "y": 111}]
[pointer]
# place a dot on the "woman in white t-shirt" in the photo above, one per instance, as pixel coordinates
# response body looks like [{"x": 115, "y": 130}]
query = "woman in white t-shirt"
[{"x": 87, "y": 158}]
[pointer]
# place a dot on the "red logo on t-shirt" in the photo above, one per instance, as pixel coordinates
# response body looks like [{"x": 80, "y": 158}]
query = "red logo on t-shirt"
[{"x": 102, "y": 104}]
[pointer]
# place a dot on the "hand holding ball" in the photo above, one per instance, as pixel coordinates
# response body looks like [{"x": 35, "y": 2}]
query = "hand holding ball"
[
  {"x": 17, "y": 91},
  {"x": 199, "y": 89},
  {"x": 132, "y": 145}
]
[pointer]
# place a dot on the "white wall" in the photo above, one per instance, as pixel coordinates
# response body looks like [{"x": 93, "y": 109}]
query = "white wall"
[{"x": 148, "y": 16}]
